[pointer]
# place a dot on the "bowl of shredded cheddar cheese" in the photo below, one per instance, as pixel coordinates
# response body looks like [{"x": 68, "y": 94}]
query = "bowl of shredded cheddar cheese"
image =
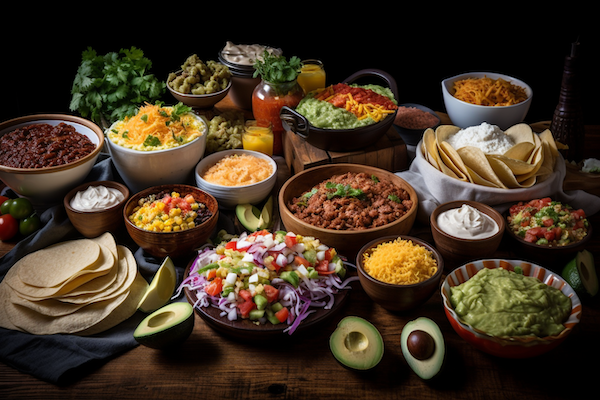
[
  {"x": 477, "y": 97},
  {"x": 399, "y": 273},
  {"x": 159, "y": 145}
]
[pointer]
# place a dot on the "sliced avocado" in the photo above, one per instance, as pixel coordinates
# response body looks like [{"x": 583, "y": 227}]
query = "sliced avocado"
[
  {"x": 161, "y": 288},
  {"x": 266, "y": 215},
  {"x": 166, "y": 327},
  {"x": 248, "y": 215},
  {"x": 580, "y": 273},
  {"x": 423, "y": 347},
  {"x": 356, "y": 343}
]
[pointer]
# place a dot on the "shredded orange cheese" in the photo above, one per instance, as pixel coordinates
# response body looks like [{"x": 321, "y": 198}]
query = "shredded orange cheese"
[
  {"x": 361, "y": 110},
  {"x": 489, "y": 92},
  {"x": 152, "y": 128},
  {"x": 400, "y": 262},
  {"x": 238, "y": 170}
]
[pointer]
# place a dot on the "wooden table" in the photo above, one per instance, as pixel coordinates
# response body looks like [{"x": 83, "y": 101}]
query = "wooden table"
[{"x": 211, "y": 365}]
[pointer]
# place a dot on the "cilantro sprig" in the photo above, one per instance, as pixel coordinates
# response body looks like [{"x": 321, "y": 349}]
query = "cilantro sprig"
[
  {"x": 276, "y": 68},
  {"x": 110, "y": 87},
  {"x": 342, "y": 190}
]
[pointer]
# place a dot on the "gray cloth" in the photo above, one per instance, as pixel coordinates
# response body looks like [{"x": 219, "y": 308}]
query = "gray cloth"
[{"x": 61, "y": 359}]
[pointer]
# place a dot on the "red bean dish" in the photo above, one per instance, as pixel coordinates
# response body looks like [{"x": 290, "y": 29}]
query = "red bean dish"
[
  {"x": 352, "y": 202},
  {"x": 43, "y": 145}
]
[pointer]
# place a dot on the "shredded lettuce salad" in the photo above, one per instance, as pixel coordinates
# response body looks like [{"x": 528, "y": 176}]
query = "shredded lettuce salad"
[{"x": 267, "y": 277}]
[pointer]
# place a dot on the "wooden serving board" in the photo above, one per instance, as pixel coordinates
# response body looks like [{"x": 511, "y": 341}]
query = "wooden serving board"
[{"x": 388, "y": 153}]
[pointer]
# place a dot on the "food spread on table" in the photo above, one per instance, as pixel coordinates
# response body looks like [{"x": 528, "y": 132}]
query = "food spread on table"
[{"x": 260, "y": 276}]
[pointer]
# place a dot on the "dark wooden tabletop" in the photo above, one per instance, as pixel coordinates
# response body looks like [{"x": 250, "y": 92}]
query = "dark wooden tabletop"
[{"x": 210, "y": 365}]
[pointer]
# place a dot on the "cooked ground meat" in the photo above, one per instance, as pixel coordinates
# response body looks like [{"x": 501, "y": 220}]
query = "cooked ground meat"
[{"x": 352, "y": 202}]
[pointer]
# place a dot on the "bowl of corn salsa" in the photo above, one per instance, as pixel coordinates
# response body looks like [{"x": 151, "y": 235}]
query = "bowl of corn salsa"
[
  {"x": 171, "y": 220},
  {"x": 157, "y": 146}
]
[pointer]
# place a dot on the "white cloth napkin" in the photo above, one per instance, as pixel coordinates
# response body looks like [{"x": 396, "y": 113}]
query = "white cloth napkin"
[{"x": 434, "y": 188}]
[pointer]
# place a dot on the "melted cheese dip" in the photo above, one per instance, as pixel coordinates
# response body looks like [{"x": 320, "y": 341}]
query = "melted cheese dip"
[{"x": 238, "y": 170}]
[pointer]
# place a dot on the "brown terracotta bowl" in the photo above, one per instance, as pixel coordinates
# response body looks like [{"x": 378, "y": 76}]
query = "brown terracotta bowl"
[
  {"x": 172, "y": 244},
  {"x": 346, "y": 242},
  {"x": 398, "y": 298},
  {"x": 455, "y": 248},
  {"x": 92, "y": 224}
]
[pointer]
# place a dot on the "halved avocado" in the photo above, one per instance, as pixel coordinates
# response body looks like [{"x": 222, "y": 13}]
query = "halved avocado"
[
  {"x": 161, "y": 288},
  {"x": 423, "y": 347},
  {"x": 166, "y": 327},
  {"x": 580, "y": 273},
  {"x": 248, "y": 215},
  {"x": 356, "y": 343}
]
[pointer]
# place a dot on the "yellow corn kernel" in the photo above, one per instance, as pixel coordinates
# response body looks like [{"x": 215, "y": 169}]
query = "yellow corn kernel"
[
  {"x": 174, "y": 211},
  {"x": 178, "y": 220},
  {"x": 192, "y": 215},
  {"x": 191, "y": 225},
  {"x": 164, "y": 217},
  {"x": 167, "y": 228},
  {"x": 195, "y": 206}
]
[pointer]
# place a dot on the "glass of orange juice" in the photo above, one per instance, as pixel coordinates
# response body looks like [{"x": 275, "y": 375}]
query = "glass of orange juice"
[
  {"x": 312, "y": 75},
  {"x": 258, "y": 136}
]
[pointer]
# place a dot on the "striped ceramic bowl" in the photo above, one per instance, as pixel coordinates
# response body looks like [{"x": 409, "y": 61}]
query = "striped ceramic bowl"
[{"x": 514, "y": 346}]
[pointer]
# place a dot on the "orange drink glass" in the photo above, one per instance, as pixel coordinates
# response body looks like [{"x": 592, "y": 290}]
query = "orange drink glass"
[
  {"x": 258, "y": 136},
  {"x": 312, "y": 75}
]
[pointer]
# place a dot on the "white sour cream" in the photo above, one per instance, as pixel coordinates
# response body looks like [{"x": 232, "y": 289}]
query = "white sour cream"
[
  {"x": 489, "y": 138},
  {"x": 96, "y": 198},
  {"x": 467, "y": 222}
]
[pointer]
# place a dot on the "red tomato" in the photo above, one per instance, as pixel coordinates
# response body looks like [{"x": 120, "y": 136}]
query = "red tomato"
[
  {"x": 548, "y": 222},
  {"x": 9, "y": 227},
  {"x": 290, "y": 241},
  {"x": 578, "y": 214},
  {"x": 272, "y": 293},
  {"x": 246, "y": 295},
  {"x": 302, "y": 261},
  {"x": 323, "y": 268},
  {"x": 246, "y": 307},
  {"x": 550, "y": 235},
  {"x": 215, "y": 287},
  {"x": 282, "y": 315}
]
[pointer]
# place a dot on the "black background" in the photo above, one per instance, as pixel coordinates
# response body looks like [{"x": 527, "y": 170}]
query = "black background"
[{"x": 418, "y": 46}]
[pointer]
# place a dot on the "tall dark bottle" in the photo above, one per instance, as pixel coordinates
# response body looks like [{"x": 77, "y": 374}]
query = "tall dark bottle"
[{"x": 567, "y": 122}]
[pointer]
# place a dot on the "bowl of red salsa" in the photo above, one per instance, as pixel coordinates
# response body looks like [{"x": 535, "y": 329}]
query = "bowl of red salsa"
[
  {"x": 547, "y": 229},
  {"x": 345, "y": 139}
]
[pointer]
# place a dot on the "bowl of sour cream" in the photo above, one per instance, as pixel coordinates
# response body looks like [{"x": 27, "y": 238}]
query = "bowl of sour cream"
[
  {"x": 96, "y": 207},
  {"x": 466, "y": 229}
]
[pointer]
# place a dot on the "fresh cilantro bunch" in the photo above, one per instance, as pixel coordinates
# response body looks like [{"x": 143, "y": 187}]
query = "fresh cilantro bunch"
[
  {"x": 276, "y": 68},
  {"x": 110, "y": 87}
]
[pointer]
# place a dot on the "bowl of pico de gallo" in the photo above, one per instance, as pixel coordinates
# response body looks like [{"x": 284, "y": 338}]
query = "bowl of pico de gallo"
[{"x": 547, "y": 229}]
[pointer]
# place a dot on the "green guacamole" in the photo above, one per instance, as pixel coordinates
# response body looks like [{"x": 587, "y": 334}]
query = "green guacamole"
[
  {"x": 324, "y": 115},
  {"x": 504, "y": 303}
]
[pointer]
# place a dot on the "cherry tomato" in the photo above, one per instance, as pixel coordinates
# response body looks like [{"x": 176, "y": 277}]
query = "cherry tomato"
[
  {"x": 9, "y": 227},
  {"x": 2, "y": 200},
  {"x": 29, "y": 225},
  {"x": 20, "y": 208}
]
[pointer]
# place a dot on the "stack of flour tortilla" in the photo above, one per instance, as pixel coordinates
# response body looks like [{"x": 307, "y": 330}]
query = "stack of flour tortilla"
[{"x": 82, "y": 287}]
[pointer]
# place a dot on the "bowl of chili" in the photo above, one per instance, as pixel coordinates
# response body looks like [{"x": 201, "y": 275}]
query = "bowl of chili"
[
  {"x": 44, "y": 156},
  {"x": 342, "y": 139}
]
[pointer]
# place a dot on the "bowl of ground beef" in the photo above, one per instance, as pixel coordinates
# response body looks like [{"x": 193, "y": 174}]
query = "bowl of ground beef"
[
  {"x": 347, "y": 205},
  {"x": 44, "y": 156}
]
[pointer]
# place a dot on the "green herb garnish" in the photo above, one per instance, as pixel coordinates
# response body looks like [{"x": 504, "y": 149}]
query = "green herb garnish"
[
  {"x": 151, "y": 141},
  {"x": 374, "y": 179},
  {"x": 277, "y": 69},
  {"x": 342, "y": 190},
  {"x": 394, "y": 198},
  {"x": 109, "y": 88}
]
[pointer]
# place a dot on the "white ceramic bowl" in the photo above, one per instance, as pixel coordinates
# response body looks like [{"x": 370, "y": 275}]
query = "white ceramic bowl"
[
  {"x": 143, "y": 169},
  {"x": 230, "y": 196},
  {"x": 45, "y": 185},
  {"x": 464, "y": 114}
]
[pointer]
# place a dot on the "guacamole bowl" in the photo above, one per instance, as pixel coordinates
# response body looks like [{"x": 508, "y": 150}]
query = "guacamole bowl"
[
  {"x": 342, "y": 140},
  {"x": 509, "y": 346}
]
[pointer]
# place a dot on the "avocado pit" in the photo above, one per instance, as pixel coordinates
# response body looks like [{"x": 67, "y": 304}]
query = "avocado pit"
[{"x": 420, "y": 344}]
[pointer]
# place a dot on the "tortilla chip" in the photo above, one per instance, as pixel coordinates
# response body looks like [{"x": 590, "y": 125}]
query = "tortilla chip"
[
  {"x": 520, "y": 151},
  {"x": 475, "y": 159},
  {"x": 452, "y": 160},
  {"x": 505, "y": 174}
]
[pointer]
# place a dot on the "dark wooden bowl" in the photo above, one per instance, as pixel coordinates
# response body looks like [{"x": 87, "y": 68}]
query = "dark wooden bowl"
[
  {"x": 455, "y": 248},
  {"x": 92, "y": 224},
  {"x": 172, "y": 244},
  {"x": 346, "y": 242},
  {"x": 399, "y": 298}
]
